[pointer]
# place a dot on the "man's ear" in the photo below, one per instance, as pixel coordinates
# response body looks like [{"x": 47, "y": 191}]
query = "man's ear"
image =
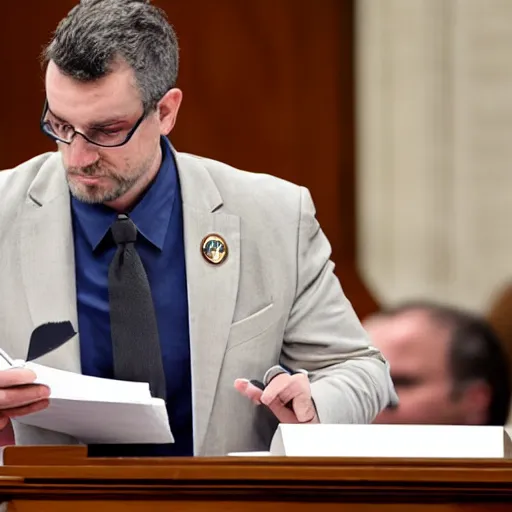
[{"x": 168, "y": 108}]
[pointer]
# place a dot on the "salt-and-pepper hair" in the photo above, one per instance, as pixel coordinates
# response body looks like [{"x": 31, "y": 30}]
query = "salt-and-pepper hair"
[{"x": 98, "y": 33}]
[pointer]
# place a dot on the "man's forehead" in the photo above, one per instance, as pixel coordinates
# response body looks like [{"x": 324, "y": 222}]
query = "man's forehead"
[
  {"x": 407, "y": 333},
  {"x": 111, "y": 96}
]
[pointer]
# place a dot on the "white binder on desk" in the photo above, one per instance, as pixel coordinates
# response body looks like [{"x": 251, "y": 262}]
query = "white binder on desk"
[{"x": 400, "y": 441}]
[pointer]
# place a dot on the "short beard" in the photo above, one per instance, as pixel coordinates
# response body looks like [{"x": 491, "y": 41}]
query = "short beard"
[{"x": 93, "y": 194}]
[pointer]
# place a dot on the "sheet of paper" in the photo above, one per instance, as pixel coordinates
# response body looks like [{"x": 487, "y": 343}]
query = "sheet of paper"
[
  {"x": 75, "y": 386},
  {"x": 97, "y": 411},
  {"x": 94, "y": 422}
]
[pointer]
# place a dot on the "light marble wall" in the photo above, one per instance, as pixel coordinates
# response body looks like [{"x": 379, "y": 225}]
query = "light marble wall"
[{"x": 434, "y": 84}]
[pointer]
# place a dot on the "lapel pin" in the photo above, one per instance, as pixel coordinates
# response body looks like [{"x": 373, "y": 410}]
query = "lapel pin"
[{"x": 214, "y": 249}]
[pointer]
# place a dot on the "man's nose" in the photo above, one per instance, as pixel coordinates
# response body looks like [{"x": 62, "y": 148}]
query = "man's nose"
[{"x": 80, "y": 153}]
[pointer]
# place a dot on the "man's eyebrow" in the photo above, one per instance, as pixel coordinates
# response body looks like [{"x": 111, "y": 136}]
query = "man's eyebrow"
[
  {"x": 56, "y": 116},
  {"x": 404, "y": 379},
  {"x": 103, "y": 122}
]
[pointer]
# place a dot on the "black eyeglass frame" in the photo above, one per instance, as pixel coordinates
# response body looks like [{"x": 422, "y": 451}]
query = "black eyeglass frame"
[{"x": 46, "y": 129}]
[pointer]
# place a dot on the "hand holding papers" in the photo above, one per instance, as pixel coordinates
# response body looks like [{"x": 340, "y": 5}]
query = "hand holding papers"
[
  {"x": 95, "y": 410},
  {"x": 90, "y": 409}
]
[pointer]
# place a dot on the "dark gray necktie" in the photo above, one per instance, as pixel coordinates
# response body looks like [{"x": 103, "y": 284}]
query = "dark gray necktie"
[{"x": 135, "y": 342}]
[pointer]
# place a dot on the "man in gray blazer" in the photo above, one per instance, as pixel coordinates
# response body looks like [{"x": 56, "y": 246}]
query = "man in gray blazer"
[{"x": 236, "y": 269}]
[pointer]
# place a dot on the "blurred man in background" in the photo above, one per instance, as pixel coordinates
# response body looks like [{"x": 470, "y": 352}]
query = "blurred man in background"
[{"x": 448, "y": 366}]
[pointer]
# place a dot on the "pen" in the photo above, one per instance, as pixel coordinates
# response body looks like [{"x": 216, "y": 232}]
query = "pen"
[
  {"x": 8, "y": 363},
  {"x": 262, "y": 386},
  {"x": 6, "y": 358}
]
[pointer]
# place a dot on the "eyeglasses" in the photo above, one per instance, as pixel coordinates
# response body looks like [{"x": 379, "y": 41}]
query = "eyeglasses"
[{"x": 64, "y": 132}]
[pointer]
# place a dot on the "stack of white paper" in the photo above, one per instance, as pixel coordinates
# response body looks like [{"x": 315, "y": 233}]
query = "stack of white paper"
[{"x": 97, "y": 411}]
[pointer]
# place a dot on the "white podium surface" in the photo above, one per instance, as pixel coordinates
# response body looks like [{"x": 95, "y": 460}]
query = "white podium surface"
[{"x": 400, "y": 441}]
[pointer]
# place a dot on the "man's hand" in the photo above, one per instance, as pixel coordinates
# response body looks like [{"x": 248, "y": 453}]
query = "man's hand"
[
  {"x": 19, "y": 395},
  {"x": 281, "y": 390}
]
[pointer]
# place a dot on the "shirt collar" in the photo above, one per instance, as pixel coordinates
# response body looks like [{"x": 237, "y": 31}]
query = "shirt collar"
[{"x": 151, "y": 215}]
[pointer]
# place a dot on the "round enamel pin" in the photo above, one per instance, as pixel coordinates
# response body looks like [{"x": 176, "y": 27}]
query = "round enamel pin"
[{"x": 214, "y": 249}]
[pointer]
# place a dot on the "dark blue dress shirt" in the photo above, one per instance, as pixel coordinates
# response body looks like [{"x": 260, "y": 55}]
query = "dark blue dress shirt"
[{"x": 159, "y": 219}]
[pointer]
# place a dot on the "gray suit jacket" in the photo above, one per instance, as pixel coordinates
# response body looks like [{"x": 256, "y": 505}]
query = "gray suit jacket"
[{"x": 275, "y": 298}]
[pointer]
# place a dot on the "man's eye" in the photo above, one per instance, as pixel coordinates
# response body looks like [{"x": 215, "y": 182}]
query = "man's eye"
[
  {"x": 62, "y": 127},
  {"x": 405, "y": 382},
  {"x": 109, "y": 132}
]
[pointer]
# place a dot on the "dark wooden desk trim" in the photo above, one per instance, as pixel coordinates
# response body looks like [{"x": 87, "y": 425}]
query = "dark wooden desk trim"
[{"x": 56, "y": 471}]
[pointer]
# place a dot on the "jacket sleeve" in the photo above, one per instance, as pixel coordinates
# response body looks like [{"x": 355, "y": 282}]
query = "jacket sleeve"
[{"x": 350, "y": 379}]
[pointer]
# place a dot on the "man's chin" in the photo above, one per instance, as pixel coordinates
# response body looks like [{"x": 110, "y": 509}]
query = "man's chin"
[{"x": 92, "y": 194}]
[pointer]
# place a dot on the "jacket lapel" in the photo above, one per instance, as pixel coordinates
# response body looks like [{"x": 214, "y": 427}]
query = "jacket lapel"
[
  {"x": 212, "y": 289},
  {"x": 47, "y": 259}
]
